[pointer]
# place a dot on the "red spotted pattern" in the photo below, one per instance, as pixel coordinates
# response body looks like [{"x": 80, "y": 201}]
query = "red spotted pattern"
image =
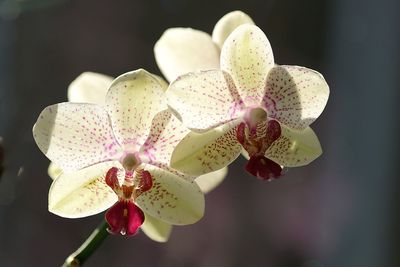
[
  {"x": 205, "y": 99},
  {"x": 295, "y": 96},
  {"x": 132, "y": 101},
  {"x": 247, "y": 56},
  {"x": 74, "y": 135},
  {"x": 171, "y": 198},
  {"x": 165, "y": 133}
]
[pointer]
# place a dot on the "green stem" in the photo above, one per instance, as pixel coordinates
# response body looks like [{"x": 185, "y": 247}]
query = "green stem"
[{"x": 79, "y": 257}]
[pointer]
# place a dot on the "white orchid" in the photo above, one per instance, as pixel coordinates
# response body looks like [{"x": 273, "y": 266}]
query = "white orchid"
[
  {"x": 117, "y": 156},
  {"x": 90, "y": 87},
  {"x": 254, "y": 104}
]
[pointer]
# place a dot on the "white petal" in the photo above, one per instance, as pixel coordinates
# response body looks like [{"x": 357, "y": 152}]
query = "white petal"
[
  {"x": 89, "y": 87},
  {"x": 227, "y": 24},
  {"x": 247, "y": 56},
  {"x": 295, "y": 96},
  {"x": 199, "y": 154},
  {"x": 183, "y": 50},
  {"x": 133, "y": 100},
  {"x": 75, "y": 135},
  {"x": 208, "y": 182},
  {"x": 82, "y": 193},
  {"x": 156, "y": 229},
  {"x": 172, "y": 199},
  {"x": 204, "y": 100},
  {"x": 165, "y": 133},
  {"x": 295, "y": 148},
  {"x": 54, "y": 171}
]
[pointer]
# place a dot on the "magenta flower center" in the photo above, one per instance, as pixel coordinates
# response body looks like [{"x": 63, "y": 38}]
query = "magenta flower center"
[
  {"x": 125, "y": 217},
  {"x": 256, "y": 134}
]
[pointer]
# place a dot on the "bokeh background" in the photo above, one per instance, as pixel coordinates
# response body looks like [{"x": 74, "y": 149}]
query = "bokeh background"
[{"x": 340, "y": 211}]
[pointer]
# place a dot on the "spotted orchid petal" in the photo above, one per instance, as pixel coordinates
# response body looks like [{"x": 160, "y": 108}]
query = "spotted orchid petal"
[
  {"x": 295, "y": 96},
  {"x": 82, "y": 193},
  {"x": 155, "y": 229},
  {"x": 227, "y": 24},
  {"x": 162, "y": 82},
  {"x": 247, "y": 56},
  {"x": 75, "y": 135},
  {"x": 165, "y": 133},
  {"x": 183, "y": 50},
  {"x": 89, "y": 87},
  {"x": 208, "y": 182},
  {"x": 204, "y": 100},
  {"x": 199, "y": 154},
  {"x": 54, "y": 171},
  {"x": 171, "y": 198},
  {"x": 132, "y": 101},
  {"x": 295, "y": 148}
]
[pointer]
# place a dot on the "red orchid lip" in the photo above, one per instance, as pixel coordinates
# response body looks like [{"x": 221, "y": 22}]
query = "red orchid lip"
[
  {"x": 256, "y": 144},
  {"x": 124, "y": 218},
  {"x": 263, "y": 168}
]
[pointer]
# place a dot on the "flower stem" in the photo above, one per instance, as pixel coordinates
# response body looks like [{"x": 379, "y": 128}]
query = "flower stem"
[{"x": 79, "y": 257}]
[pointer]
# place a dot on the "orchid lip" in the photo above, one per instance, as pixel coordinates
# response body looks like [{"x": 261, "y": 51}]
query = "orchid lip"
[
  {"x": 125, "y": 217},
  {"x": 263, "y": 168}
]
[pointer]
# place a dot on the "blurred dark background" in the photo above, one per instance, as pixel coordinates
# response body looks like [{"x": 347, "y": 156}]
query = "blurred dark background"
[{"x": 340, "y": 211}]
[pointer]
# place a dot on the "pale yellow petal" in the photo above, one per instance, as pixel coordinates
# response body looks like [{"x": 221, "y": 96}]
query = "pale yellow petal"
[
  {"x": 295, "y": 96},
  {"x": 164, "y": 84},
  {"x": 132, "y": 101},
  {"x": 172, "y": 199},
  {"x": 89, "y": 87},
  {"x": 82, "y": 193},
  {"x": 295, "y": 148},
  {"x": 75, "y": 135},
  {"x": 247, "y": 56},
  {"x": 227, "y": 24},
  {"x": 183, "y": 50},
  {"x": 165, "y": 133},
  {"x": 208, "y": 182},
  {"x": 201, "y": 153},
  {"x": 156, "y": 229},
  {"x": 204, "y": 100},
  {"x": 54, "y": 171}
]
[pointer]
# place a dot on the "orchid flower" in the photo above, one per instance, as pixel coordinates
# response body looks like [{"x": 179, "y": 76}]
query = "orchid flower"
[
  {"x": 257, "y": 106},
  {"x": 90, "y": 87},
  {"x": 116, "y": 157}
]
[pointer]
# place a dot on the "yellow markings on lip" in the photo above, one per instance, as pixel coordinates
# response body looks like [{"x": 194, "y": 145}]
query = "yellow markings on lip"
[
  {"x": 263, "y": 162},
  {"x": 125, "y": 214}
]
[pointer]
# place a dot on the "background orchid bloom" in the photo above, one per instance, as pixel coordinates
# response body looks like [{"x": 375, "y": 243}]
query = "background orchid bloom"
[
  {"x": 117, "y": 155},
  {"x": 183, "y": 50},
  {"x": 255, "y": 104},
  {"x": 90, "y": 87}
]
